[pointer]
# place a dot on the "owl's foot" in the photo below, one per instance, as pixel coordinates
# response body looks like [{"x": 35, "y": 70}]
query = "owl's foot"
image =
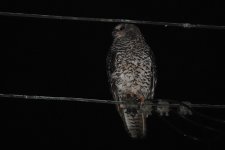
[
  {"x": 141, "y": 100},
  {"x": 130, "y": 96}
]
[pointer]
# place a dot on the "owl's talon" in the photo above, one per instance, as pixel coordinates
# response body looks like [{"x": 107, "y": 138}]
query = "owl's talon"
[{"x": 141, "y": 100}]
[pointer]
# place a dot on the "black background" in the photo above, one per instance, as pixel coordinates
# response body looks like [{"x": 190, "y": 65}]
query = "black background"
[{"x": 67, "y": 58}]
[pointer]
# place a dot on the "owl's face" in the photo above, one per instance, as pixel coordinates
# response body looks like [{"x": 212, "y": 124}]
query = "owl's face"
[{"x": 125, "y": 30}]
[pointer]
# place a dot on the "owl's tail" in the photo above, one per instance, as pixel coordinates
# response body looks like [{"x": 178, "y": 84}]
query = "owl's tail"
[{"x": 135, "y": 123}]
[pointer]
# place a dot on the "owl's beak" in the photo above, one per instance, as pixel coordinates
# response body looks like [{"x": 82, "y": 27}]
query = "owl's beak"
[
  {"x": 114, "y": 33},
  {"x": 117, "y": 33}
]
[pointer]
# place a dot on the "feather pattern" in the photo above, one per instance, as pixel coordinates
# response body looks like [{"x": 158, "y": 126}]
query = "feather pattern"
[{"x": 132, "y": 75}]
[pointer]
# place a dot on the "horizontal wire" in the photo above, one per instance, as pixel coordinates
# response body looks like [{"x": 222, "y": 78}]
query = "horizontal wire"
[
  {"x": 179, "y": 131},
  {"x": 165, "y": 24},
  {"x": 50, "y": 98}
]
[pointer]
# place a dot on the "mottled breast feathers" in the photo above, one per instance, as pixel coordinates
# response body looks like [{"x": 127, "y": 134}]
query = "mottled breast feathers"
[{"x": 132, "y": 75}]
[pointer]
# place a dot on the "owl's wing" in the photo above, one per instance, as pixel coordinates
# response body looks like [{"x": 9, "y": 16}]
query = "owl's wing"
[
  {"x": 153, "y": 82},
  {"x": 110, "y": 62},
  {"x": 154, "y": 75}
]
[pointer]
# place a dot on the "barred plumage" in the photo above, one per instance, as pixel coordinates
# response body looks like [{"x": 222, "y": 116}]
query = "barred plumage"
[{"x": 132, "y": 75}]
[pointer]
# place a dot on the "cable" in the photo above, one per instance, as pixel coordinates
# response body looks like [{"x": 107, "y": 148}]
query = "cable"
[
  {"x": 180, "y": 131},
  {"x": 189, "y": 106},
  {"x": 50, "y": 98},
  {"x": 195, "y": 123},
  {"x": 203, "y": 115},
  {"x": 165, "y": 24}
]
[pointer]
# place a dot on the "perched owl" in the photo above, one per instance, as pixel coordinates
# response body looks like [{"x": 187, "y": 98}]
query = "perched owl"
[{"x": 132, "y": 75}]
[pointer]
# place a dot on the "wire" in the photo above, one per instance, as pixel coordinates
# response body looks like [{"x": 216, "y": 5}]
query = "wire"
[
  {"x": 165, "y": 24},
  {"x": 198, "y": 124},
  {"x": 203, "y": 115},
  {"x": 179, "y": 131},
  {"x": 50, "y": 98}
]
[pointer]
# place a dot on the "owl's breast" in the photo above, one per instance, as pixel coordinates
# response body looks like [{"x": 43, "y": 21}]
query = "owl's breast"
[{"x": 132, "y": 72}]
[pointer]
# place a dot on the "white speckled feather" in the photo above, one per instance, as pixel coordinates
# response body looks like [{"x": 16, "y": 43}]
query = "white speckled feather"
[{"x": 132, "y": 75}]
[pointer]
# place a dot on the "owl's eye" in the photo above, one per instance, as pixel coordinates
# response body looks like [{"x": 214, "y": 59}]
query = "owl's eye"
[{"x": 121, "y": 28}]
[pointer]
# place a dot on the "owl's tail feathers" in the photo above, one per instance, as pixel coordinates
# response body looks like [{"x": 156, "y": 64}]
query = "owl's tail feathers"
[{"x": 135, "y": 124}]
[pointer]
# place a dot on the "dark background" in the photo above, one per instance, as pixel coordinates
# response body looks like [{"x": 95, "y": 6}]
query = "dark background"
[{"x": 67, "y": 58}]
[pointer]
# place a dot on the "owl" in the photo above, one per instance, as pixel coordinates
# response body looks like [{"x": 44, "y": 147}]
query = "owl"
[{"x": 131, "y": 73}]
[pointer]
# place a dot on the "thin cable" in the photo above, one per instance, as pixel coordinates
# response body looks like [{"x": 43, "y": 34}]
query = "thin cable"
[
  {"x": 178, "y": 103},
  {"x": 195, "y": 123},
  {"x": 179, "y": 131},
  {"x": 203, "y": 115},
  {"x": 50, "y": 98},
  {"x": 165, "y": 24},
  {"x": 191, "y": 106}
]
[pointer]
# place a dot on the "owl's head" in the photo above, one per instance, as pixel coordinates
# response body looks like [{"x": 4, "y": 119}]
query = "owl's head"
[{"x": 126, "y": 30}]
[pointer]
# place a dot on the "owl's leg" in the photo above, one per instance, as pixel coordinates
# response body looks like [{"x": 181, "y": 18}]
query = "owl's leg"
[
  {"x": 131, "y": 106},
  {"x": 130, "y": 96},
  {"x": 127, "y": 97},
  {"x": 140, "y": 99}
]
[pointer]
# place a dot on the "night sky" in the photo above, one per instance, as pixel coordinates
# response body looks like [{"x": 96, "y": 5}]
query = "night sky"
[{"x": 68, "y": 58}]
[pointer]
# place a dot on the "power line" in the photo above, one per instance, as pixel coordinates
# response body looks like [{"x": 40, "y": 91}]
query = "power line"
[
  {"x": 50, "y": 98},
  {"x": 165, "y": 24}
]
